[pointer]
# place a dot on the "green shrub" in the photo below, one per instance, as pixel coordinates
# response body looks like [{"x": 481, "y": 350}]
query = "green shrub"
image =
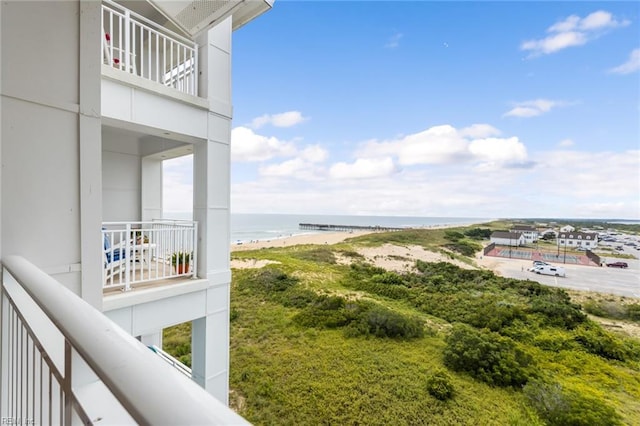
[
  {"x": 557, "y": 309},
  {"x": 352, "y": 254},
  {"x": 360, "y": 318},
  {"x": 319, "y": 255},
  {"x": 453, "y": 235},
  {"x": 325, "y": 311},
  {"x": 599, "y": 342},
  {"x": 633, "y": 312},
  {"x": 486, "y": 356},
  {"x": 383, "y": 322},
  {"x": 439, "y": 385},
  {"x": 478, "y": 233},
  {"x": 560, "y": 407},
  {"x": 268, "y": 280},
  {"x": 296, "y": 297},
  {"x": 606, "y": 309},
  {"x": 465, "y": 248}
]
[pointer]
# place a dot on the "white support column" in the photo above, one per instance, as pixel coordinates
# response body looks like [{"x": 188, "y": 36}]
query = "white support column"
[
  {"x": 90, "y": 142},
  {"x": 209, "y": 362},
  {"x": 211, "y": 198},
  {"x": 151, "y": 188}
]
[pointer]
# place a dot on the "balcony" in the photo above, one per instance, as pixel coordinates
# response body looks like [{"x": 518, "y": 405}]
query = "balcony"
[
  {"x": 145, "y": 252},
  {"x": 63, "y": 362},
  {"x": 138, "y": 46}
]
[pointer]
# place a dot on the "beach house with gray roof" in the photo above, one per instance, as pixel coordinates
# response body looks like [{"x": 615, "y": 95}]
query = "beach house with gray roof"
[{"x": 587, "y": 240}]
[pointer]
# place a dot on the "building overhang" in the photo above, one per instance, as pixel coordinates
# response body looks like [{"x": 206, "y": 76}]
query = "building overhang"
[{"x": 194, "y": 17}]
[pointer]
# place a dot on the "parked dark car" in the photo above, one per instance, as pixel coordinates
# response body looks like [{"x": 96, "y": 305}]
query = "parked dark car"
[{"x": 618, "y": 265}]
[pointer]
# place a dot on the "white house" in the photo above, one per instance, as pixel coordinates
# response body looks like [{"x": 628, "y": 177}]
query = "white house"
[
  {"x": 95, "y": 96},
  {"x": 587, "y": 240},
  {"x": 512, "y": 239},
  {"x": 530, "y": 233},
  {"x": 567, "y": 228}
]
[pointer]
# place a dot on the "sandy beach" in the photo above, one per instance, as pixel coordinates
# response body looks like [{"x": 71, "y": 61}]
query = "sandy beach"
[{"x": 323, "y": 238}]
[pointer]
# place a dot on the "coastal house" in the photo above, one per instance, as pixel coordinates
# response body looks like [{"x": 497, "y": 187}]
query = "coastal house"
[
  {"x": 530, "y": 233},
  {"x": 588, "y": 240},
  {"x": 95, "y": 96},
  {"x": 511, "y": 239},
  {"x": 567, "y": 228}
]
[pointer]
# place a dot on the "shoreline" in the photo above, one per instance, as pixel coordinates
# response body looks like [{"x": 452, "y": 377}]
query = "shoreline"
[{"x": 322, "y": 238}]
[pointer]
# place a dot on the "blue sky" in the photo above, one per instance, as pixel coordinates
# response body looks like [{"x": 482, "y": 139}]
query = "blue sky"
[{"x": 483, "y": 109}]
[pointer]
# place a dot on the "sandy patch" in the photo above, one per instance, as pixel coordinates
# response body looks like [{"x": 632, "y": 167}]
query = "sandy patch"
[
  {"x": 250, "y": 263},
  {"x": 401, "y": 259}
]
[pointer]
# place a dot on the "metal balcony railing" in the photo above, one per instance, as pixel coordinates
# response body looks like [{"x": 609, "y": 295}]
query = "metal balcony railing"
[
  {"x": 63, "y": 362},
  {"x": 136, "y": 45},
  {"x": 137, "y": 252}
]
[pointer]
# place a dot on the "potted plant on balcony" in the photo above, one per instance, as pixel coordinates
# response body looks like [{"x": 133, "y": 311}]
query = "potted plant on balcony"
[{"x": 181, "y": 260}]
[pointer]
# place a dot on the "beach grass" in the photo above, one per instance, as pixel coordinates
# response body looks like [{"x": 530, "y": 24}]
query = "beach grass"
[{"x": 294, "y": 360}]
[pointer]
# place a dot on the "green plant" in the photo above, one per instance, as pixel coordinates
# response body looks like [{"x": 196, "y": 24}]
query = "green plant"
[
  {"x": 486, "y": 356},
  {"x": 439, "y": 385},
  {"x": 181, "y": 258},
  {"x": 561, "y": 407}
]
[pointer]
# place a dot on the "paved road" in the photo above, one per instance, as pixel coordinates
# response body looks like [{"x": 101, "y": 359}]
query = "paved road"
[{"x": 624, "y": 282}]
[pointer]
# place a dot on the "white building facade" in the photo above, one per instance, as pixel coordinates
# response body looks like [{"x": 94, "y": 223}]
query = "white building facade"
[
  {"x": 95, "y": 97},
  {"x": 530, "y": 233},
  {"x": 587, "y": 240},
  {"x": 512, "y": 239}
]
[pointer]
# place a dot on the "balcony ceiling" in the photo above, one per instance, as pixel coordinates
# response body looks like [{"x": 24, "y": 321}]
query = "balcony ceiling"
[{"x": 193, "y": 17}]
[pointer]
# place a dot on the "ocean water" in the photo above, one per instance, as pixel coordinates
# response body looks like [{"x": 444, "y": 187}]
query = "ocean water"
[
  {"x": 263, "y": 227},
  {"x": 247, "y": 227}
]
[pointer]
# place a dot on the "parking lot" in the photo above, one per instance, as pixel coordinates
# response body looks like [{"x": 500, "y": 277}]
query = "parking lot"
[{"x": 623, "y": 282}]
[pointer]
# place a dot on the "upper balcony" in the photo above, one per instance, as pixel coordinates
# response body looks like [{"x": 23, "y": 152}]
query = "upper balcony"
[{"x": 138, "y": 46}]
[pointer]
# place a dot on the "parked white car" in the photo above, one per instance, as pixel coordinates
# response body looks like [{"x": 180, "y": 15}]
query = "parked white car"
[{"x": 557, "y": 271}]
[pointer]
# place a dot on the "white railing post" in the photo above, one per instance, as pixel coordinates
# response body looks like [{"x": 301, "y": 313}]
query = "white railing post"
[
  {"x": 196, "y": 71},
  {"x": 127, "y": 253},
  {"x": 194, "y": 243},
  {"x": 127, "y": 41}
]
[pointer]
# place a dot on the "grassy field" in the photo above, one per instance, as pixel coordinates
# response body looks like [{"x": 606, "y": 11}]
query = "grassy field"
[{"x": 317, "y": 341}]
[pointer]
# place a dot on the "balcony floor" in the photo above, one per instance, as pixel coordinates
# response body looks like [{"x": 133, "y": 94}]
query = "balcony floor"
[{"x": 140, "y": 278}]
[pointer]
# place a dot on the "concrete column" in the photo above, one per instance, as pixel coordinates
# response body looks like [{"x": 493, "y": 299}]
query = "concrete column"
[
  {"x": 209, "y": 361},
  {"x": 151, "y": 188},
  {"x": 90, "y": 126},
  {"x": 211, "y": 200}
]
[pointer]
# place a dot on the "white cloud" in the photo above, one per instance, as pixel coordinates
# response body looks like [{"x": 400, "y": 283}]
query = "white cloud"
[
  {"x": 479, "y": 131},
  {"x": 363, "y": 168},
  {"x": 292, "y": 168},
  {"x": 499, "y": 151},
  {"x": 394, "y": 41},
  {"x": 564, "y": 184},
  {"x": 533, "y": 108},
  {"x": 284, "y": 119},
  {"x": 177, "y": 185},
  {"x": 314, "y": 154},
  {"x": 249, "y": 146},
  {"x": 565, "y": 143},
  {"x": 632, "y": 65},
  {"x": 446, "y": 145},
  {"x": 573, "y": 31}
]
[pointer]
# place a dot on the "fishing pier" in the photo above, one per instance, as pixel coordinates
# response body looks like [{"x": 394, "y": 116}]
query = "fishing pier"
[{"x": 343, "y": 228}]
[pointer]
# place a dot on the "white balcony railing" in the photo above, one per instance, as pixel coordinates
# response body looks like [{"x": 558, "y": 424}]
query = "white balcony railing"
[
  {"x": 63, "y": 362},
  {"x": 137, "y": 252},
  {"x": 136, "y": 45}
]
